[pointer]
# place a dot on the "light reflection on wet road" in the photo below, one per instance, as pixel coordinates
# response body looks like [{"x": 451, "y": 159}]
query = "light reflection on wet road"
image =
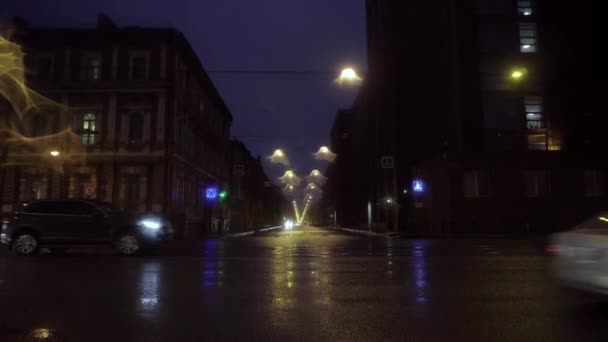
[{"x": 307, "y": 284}]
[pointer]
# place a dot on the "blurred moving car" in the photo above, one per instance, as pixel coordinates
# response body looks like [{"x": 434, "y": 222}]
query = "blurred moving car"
[
  {"x": 61, "y": 224},
  {"x": 581, "y": 255}
]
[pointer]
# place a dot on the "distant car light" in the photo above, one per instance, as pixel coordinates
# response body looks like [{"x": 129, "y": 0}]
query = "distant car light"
[
  {"x": 288, "y": 224},
  {"x": 150, "y": 224}
]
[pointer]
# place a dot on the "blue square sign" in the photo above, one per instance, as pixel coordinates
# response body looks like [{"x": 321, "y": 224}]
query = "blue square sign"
[{"x": 211, "y": 193}]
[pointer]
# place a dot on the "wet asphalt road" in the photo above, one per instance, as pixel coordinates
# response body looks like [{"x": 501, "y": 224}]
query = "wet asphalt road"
[{"x": 308, "y": 284}]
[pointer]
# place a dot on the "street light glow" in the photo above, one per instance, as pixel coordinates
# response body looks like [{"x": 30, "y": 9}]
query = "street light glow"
[
  {"x": 518, "y": 73},
  {"x": 348, "y": 75},
  {"x": 54, "y": 153}
]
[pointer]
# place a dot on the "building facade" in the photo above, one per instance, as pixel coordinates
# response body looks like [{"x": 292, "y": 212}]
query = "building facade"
[
  {"x": 133, "y": 119},
  {"x": 255, "y": 202},
  {"x": 467, "y": 82}
]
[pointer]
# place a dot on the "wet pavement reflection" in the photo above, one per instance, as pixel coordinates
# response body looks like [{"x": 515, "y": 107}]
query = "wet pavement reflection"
[{"x": 307, "y": 284}]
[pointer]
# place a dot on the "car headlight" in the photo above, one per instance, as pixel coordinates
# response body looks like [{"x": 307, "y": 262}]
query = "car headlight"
[{"x": 150, "y": 224}]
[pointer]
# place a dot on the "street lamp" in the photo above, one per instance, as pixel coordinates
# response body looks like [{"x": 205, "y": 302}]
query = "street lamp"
[
  {"x": 54, "y": 153},
  {"x": 518, "y": 73},
  {"x": 348, "y": 75}
]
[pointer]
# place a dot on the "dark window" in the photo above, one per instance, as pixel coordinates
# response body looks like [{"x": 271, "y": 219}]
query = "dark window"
[
  {"x": 136, "y": 123},
  {"x": 45, "y": 65},
  {"x": 93, "y": 68},
  {"x": 476, "y": 184},
  {"x": 39, "y": 124},
  {"x": 132, "y": 190},
  {"x": 537, "y": 184},
  {"x": 139, "y": 68},
  {"x": 593, "y": 183}
]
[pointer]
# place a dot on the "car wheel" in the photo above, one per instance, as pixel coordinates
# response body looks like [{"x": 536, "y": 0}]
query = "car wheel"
[
  {"x": 25, "y": 244},
  {"x": 128, "y": 244}
]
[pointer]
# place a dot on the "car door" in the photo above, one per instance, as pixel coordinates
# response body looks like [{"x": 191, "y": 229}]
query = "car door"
[
  {"x": 83, "y": 222},
  {"x": 44, "y": 219}
]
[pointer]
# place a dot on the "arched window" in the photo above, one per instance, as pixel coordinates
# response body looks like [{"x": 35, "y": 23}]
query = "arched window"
[
  {"x": 136, "y": 125},
  {"x": 88, "y": 129},
  {"x": 39, "y": 123}
]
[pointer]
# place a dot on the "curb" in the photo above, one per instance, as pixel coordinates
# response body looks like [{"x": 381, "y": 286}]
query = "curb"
[{"x": 360, "y": 232}]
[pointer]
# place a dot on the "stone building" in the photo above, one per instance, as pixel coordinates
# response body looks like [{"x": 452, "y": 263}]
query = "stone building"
[{"x": 135, "y": 120}]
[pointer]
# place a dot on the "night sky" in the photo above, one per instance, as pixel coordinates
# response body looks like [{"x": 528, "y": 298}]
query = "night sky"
[{"x": 293, "y": 111}]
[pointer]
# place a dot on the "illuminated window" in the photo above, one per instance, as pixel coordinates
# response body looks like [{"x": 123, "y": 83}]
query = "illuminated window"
[
  {"x": 136, "y": 125},
  {"x": 527, "y": 37},
  {"x": 537, "y": 184},
  {"x": 534, "y": 112},
  {"x": 537, "y": 142},
  {"x": 92, "y": 67},
  {"x": 593, "y": 182},
  {"x": 524, "y": 7},
  {"x": 88, "y": 129}
]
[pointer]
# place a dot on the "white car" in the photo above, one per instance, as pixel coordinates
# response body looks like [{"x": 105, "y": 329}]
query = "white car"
[{"x": 581, "y": 255}]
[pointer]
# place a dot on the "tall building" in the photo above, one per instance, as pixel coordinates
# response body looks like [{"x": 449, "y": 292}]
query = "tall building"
[
  {"x": 455, "y": 89},
  {"x": 338, "y": 191},
  {"x": 135, "y": 121}
]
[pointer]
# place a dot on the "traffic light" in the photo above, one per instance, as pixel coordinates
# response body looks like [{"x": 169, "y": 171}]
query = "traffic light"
[{"x": 223, "y": 194}]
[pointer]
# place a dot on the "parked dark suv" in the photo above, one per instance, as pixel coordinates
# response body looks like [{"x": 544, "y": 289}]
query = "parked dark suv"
[{"x": 61, "y": 224}]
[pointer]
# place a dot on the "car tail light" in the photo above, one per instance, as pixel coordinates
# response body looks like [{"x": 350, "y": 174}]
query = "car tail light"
[{"x": 552, "y": 249}]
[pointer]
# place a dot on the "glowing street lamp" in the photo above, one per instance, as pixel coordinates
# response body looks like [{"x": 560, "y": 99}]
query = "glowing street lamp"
[
  {"x": 278, "y": 153},
  {"x": 54, "y": 153},
  {"x": 518, "y": 74},
  {"x": 348, "y": 75}
]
